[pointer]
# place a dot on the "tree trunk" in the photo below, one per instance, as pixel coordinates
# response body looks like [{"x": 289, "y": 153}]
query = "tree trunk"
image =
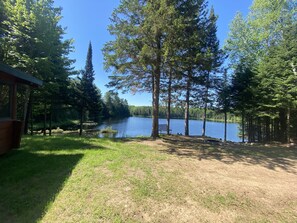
[
  {"x": 169, "y": 102},
  {"x": 268, "y": 131},
  {"x": 205, "y": 106},
  {"x": 50, "y": 121},
  {"x": 225, "y": 127},
  {"x": 44, "y": 120},
  {"x": 204, "y": 119},
  {"x": 81, "y": 121},
  {"x": 156, "y": 90},
  {"x": 31, "y": 119},
  {"x": 27, "y": 112},
  {"x": 248, "y": 132},
  {"x": 283, "y": 126},
  {"x": 242, "y": 125},
  {"x": 288, "y": 125},
  {"x": 187, "y": 108}
]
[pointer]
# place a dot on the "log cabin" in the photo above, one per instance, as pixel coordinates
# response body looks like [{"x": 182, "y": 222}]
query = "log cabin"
[{"x": 10, "y": 126}]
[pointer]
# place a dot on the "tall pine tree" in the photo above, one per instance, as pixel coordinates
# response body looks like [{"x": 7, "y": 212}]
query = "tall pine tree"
[
  {"x": 90, "y": 101},
  {"x": 213, "y": 60},
  {"x": 141, "y": 30}
]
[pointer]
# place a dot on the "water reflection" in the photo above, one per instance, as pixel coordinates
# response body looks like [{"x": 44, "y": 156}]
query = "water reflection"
[
  {"x": 108, "y": 135},
  {"x": 136, "y": 127}
]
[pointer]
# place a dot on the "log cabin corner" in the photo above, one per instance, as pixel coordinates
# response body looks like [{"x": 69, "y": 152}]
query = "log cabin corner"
[{"x": 10, "y": 126}]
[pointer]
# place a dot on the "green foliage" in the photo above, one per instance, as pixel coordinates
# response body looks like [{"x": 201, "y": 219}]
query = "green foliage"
[
  {"x": 32, "y": 41},
  {"x": 262, "y": 52},
  {"x": 224, "y": 92},
  {"x": 114, "y": 106},
  {"x": 178, "y": 112},
  {"x": 278, "y": 71},
  {"x": 90, "y": 94}
]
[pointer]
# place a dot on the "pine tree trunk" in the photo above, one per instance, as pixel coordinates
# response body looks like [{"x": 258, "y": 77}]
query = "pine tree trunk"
[
  {"x": 248, "y": 132},
  {"x": 205, "y": 106},
  {"x": 242, "y": 124},
  {"x": 50, "y": 121},
  {"x": 258, "y": 129},
  {"x": 268, "y": 132},
  {"x": 81, "y": 121},
  {"x": 44, "y": 120},
  {"x": 156, "y": 91},
  {"x": 187, "y": 106},
  {"x": 169, "y": 102},
  {"x": 225, "y": 127},
  {"x": 283, "y": 126},
  {"x": 204, "y": 119},
  {"x": 27, "y": 114},
  {"x": 31, "y": 119},
  {"x": 288, "y": 125}
]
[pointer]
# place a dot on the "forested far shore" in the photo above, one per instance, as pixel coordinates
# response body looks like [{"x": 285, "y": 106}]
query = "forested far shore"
[{"x": 178, "y": 113}]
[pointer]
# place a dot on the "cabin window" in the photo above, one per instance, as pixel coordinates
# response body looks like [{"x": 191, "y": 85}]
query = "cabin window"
[{"x": 5, "y": 100}]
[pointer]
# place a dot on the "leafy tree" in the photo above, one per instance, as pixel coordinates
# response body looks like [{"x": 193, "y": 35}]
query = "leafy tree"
[{"x": 32, "y": 40}]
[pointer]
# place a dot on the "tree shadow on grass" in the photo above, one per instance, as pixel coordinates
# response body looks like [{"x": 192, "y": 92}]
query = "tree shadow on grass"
[
  {"x": 59, "y": 143},
  {"x": 271, "y": 157},
  {"x": 31, "y": 177},
  {"x": 29, "y": 182}
]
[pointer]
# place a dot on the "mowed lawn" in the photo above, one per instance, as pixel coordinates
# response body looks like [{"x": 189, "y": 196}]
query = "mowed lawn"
[{"x": 173, "y": 179}]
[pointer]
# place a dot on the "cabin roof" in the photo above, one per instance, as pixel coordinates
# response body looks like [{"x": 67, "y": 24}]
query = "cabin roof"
[{"x": 19, "y": 76}]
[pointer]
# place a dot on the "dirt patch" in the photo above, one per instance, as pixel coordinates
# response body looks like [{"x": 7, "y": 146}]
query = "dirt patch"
[{"x": 218, "y": 182}]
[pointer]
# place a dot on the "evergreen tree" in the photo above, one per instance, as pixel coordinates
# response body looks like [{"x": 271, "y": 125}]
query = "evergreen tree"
[
  {"x": 243, "y": 97},
  {"x": 194, "y": 18},
  {"x": 261, "y": 44},
  {"x": 278, "y": 77},
  {"x": 90, "y": 95},
  {"x": 223, "y": 89},
  {"x": 141, "y": 29},
  {"x": 213, "y": 60}
]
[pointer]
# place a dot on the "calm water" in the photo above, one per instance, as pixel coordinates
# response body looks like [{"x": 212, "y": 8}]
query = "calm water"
[{"x": 135, "y": 126}]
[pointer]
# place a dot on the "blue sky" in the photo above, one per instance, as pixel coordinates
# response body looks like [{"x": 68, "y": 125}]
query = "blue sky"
[{"x": 88, "y": 21}]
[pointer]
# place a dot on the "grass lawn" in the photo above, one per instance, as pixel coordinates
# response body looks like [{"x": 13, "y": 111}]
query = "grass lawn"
[{"x": 174, "y": 179}]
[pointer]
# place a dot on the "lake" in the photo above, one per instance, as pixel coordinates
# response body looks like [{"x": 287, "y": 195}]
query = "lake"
[{"x": 136, "y": 126}]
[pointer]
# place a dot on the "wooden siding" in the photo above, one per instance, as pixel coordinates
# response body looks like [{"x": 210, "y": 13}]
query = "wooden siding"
[
  {"x": 6, "y": 134},
  {"x": 10, "y": 135}
]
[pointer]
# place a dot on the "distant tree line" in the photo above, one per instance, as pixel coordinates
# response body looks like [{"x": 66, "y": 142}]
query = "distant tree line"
[
  {"x": 32, "y": 40},
  {"x": 178, "y": 113}
]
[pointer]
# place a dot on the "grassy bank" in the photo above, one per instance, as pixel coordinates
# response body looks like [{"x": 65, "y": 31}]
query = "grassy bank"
[{"x": 176, "y": 179}]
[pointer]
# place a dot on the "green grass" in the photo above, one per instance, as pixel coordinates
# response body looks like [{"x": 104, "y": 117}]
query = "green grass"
[
  {"x": 33, "y": 177},
  {"x": 218, "y": 201}
]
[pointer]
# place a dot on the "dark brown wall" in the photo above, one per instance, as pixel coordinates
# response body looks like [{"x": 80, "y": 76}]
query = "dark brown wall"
[{"x": 6, "y": 135}]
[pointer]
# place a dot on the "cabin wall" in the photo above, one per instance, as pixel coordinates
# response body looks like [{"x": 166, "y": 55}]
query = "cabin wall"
[
  {"x": 10, "y": 135},
  {"x": 6, "y": 134}
]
